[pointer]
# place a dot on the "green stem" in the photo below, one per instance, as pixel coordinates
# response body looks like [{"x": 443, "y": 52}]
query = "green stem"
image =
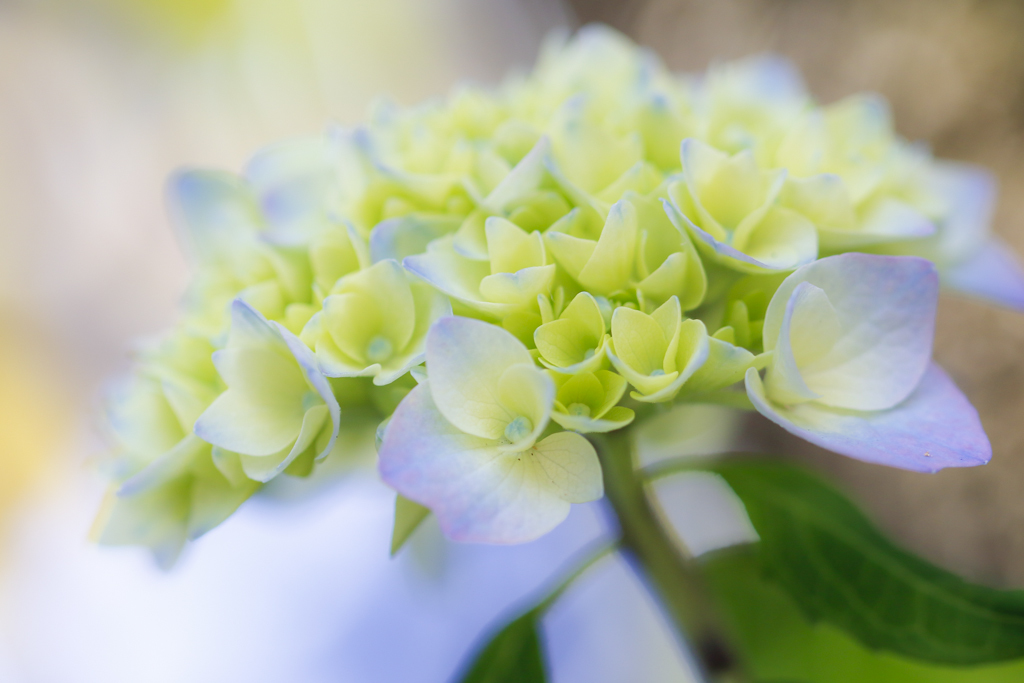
[{"x": 661, "y": 559}]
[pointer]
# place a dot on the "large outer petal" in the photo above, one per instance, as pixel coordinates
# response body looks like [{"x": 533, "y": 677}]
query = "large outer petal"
[
  {"x": 213, "y": 209},
  {"x": 466, "y": 359},
  {"x": 936, "y": 427},
  {"x": 478, "y": 493},
  {"x": 993, "y": 273},
  {"x": 886, "y": 307},
  {"x": 571, "y": 464}
]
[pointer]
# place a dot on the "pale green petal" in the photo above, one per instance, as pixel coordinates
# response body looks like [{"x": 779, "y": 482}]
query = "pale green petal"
[
  {"x": 266, "y": 467},
  {"x": 614, "y": 387},
  {"x": 571, "y": 465},
  {"x": 374, "y": 302},
  {"x": 470, "y": 240},
  {"x": 783, "y": 239},
  {"x": 460, "y": 277},
  {"x": 584, "y": 390},
  {"x": 351, "y": 320},
  {"x": 157, "y": 519},
  {"x": 610, "y": 267},
  {"x": 407, "y": 235},
  {"x": 261, "y": 412},
  {"x": 466, "y": 359},
  {"x": 142, "y": 419},
  {"x": 572, "y": 253},
  {"x": 639, "y": 341},
  {"x": 616, "y": 418},
  {"x": 520, "y": 288},
  {"x": 668, "y": 316},
  {"x": 641, "y": 178},
  {"x": 431, "y": 306},
  {"x": 590, "y": 157},
  {"x": 166, "y": 467},
  {"x": 731, "y": 191},
  {"x": 229, "y": 464},
  {"x": 823, "y": 200},
  {"x": 214, "y": 499},
  {"x": 511, "y": 248},
  {"x": 691, "y": 353},
  {"x": 334, "y": 362},
  {"x": 525, "y": 176},
  {"x": 575, "y": 339},
  {"x": 336, "y": 253},
  {"x": 725, "y": 366}
]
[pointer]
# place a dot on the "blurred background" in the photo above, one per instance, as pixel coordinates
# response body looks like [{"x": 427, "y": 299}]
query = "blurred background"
[{"x": 101, "y": 99}]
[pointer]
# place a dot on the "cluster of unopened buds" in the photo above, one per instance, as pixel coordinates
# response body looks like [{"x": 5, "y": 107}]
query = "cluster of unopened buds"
[{"x": 492, "y": 279}]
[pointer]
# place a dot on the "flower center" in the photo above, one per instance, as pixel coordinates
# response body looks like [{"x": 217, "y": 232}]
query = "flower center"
[
  {"x": 310, "y": 399},
  {"x": 658, "y": 373},
  {"x": 579, "y": 409},
  {"x": 518, "y": 429},
  {"x": 379, "y": 349}
]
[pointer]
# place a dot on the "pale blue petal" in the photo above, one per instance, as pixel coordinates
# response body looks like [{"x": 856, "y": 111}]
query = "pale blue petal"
[
  {"x": 478, "y": 493},
  {"x": 293, "y": 181},
  {"x": 994, "y": 274},
  {"x": 397, "y": 238},
  {"x": 936, "y": 427},
  {"x": 886, "y": 310},
  {"x": 215, "y": 211},
  {"x": 526, "y": 176}
]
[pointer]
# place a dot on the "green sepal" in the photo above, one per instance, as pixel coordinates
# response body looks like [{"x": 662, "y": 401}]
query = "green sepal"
[{"x": 408, "y": 517}]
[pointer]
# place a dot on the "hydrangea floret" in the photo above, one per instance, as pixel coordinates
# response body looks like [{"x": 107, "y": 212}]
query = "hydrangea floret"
[{"x": 492, "y": 281}]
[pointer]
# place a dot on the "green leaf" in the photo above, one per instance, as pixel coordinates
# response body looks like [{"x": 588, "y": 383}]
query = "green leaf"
[
  {"x": 838, "y": 568},
  {"x": 779, "y": 644},
  {"x": 514, "y": 655},
  {"x": 408, "y": 516}
]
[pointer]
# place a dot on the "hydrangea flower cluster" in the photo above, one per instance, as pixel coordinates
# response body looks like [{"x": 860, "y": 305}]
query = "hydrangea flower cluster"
[{"x": 494, "y": 276}]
